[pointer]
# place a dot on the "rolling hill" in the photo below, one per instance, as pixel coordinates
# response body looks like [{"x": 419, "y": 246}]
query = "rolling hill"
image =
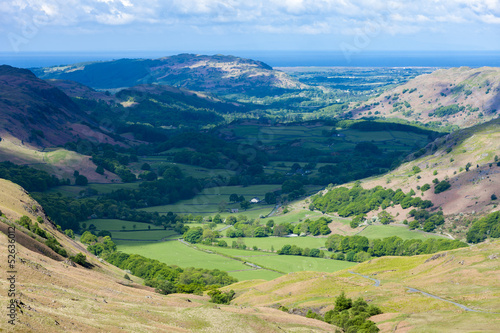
[
  {"x": 415, "y": 293},
  {"x": 457, "y": 96},
  {"x": 37, "y": 114},
  {"x": 217, "y": 73},
  {"x": 53, "y": 294}
]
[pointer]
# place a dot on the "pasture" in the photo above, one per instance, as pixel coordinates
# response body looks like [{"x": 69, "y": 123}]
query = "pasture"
[
  {"x": 315, "y": 137},
  {"x": 382, "y": 231},
  {"x": 265, "y": 243},
  {"x": 117, "y": 225}
]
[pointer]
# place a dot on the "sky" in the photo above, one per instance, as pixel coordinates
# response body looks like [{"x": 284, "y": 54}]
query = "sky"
[{"x": 218, "y": 25}]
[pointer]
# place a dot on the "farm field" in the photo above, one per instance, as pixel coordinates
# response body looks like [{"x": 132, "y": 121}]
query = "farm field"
[
  {"x": 314, "y": 137},
  {"x": 153, "y": 235},
  {"x": 381, "y": 231},
  {"x": 73, "y": 190},
  {"x": 176, "y": 253},
  {"x": 117, "y": 225},
  {"x": 187, "y": 170},
  {"x": 265, "y": 243},
  {"x": 289, "y": 264},
  {"x": 209, "y": 200}
]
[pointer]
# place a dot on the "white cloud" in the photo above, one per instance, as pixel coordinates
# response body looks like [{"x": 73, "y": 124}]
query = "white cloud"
[{"x": 275, "y": 16}]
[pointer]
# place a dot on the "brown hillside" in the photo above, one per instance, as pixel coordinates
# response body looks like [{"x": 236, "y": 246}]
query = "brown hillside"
[
  {"x": 37, "y": 114},
  {"x": 477, "y": 90}
]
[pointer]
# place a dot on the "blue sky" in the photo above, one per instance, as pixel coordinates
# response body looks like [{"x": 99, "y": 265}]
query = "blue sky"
[{"x": 218, "y": 25}]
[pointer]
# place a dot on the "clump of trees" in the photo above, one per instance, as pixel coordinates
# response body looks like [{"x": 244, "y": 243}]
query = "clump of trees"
[
  {"x": 484, "y": 227},
  {"x": 48, "y": 239},
  {"x": 359, "y": 248},
  {"x": 425, "y": 220},
  {"x": 30, "y": 179},
  {"x": 294, "y": 250},
  {"x": 357, "y": 201},
  {"x": 315, "y": 228},
  {"x": 170, "y": 279},
  {"x": 219, "y": 297},
  {"x": 352, "y": 316}
]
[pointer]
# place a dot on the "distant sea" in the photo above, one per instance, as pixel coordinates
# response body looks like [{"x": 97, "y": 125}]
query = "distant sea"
[{"x": 279, "y": 58}]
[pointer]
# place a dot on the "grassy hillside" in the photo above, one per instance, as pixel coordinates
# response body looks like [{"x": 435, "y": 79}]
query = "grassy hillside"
[
  {"x": 470, "y": 194},
  {"x": 458, "y": 96},
  {"x": 53, "y": 295},
  {"x": 467, "y": 276}
]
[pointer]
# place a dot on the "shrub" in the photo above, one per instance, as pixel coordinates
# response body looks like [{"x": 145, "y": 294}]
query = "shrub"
[
  {"x": 218, "y": 297},
  {"x": 80, "y": 259}
]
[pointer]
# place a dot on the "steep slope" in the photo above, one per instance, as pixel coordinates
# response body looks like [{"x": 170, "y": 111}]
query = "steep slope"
[
  {"x": 458, "y": 96},
  {"x": 216, "y": 73},
  {"x": 54, "y": 295},
  {"x": 471, "y": 188},
  {"x": 35, "y": 113},
  {"x": 469, "y": 276}
]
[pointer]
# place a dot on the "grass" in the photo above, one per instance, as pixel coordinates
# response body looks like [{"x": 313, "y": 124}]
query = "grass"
[
  {"x": 256, "y": 274},
  {"x": 187, "y": 170},
  {"x": 290, "y": 264},
  {"x": 312, "y": 137},
  {"x": 265, "y": 243},
  {"x": 176, "y": 253},
  {"x": 382, "y": 231},
  {"x": 112, "y": 224},
  {"x": 154, "y": 235}
]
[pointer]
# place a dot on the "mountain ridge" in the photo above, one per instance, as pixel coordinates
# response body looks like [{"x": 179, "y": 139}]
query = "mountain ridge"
[{"x": 217, "y": 73}]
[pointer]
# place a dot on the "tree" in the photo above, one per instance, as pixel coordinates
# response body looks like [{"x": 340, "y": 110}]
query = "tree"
[
  {"x": 219, "y": 297},
  {"x": 291, "y": 185},
  {"x": 270, "y": 198},
  {"x": 99, "y": 170},
  {"x": 441, "y": 187},
  {"x": 217, "y": 219},
  {"x": 342, "y": 303},
  {"x": 280, "y": 230},
  {"x": 245, "y": 205},
  {"x": 259, "y": 232},
  {"x": 146, "y": 167},
  {"x": 80, "y": 259},
  {"x": 234, "y": 197},
  {"x": 81, "y": 180},
  {"x": 88, "y": 238},
  {"x": 193, "y": 235}
]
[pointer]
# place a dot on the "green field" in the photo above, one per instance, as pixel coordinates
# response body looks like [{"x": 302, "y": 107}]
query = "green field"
[
  {"x": 187, "y": 170},
  {"x": 208, "y": 201},
  {"x": 312, "y": 137},
  {"x": 153, "y": 235},
  {"x": 112, "y": 224},
  {"x": 290, "y": 264},
  {"x": 235, "y": 252},
  {"x": 295, "y": 216},
  {"x": 176, "y": 253},
  {"x": 382, "y": 231},
  {"x": 265, "y": 243}
]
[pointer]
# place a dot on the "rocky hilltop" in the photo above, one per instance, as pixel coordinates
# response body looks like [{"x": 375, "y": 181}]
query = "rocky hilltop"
[
  {"x": 457, "y": 96},
  {"x": 217, "y": 73}
]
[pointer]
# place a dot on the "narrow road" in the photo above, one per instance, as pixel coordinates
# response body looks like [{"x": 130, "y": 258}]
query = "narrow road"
[
  {"x": 377, "y": 282},
  {"x": 274, "y": 210},
  {"x": 226, "y": 227},
  {"x": 414, "y": 290}
]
